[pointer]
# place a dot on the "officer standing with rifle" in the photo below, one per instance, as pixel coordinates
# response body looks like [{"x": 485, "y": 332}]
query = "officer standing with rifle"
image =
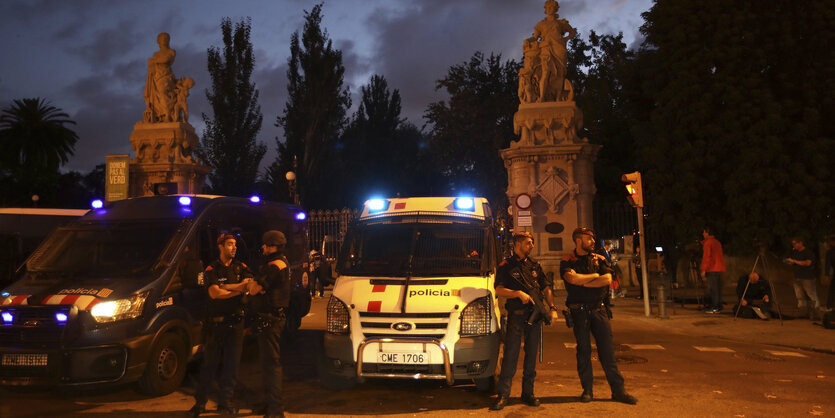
[
  {"x": 271, "y": 297},
  {"x": 530, "y": 302},
  {"x": 587, "y": 277}
]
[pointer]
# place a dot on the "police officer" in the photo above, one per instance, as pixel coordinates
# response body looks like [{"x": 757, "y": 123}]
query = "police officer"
[
  {"x": 587, "y": 278},
  {"x": 227, "y": 280},
  {"x": 318, "y": 273},
  {"x": 270, "y": 301},
  {"x": 519, "y": 307}
]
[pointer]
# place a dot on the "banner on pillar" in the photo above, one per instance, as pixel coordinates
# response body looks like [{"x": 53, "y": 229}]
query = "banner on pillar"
[{"x": 116, "y": 177}]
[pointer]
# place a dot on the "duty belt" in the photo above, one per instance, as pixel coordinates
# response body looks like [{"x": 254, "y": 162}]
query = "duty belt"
[{"x": 586, "y": 306}]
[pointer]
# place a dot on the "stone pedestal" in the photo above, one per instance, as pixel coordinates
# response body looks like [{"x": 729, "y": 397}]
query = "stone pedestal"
[
  {"x": 556, "y": 168},
  {"x": 164, "y": 155}
]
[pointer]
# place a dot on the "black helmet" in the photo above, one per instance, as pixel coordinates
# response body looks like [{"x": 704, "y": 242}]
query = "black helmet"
[{"x": 274, "y": 238}]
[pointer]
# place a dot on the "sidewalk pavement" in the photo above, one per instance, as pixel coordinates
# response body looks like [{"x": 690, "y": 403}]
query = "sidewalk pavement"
[{"x": 797, "y": 333}]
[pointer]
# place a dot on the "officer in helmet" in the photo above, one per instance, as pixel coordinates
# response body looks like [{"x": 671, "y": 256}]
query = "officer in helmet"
[{"x": 271, "y": 299}]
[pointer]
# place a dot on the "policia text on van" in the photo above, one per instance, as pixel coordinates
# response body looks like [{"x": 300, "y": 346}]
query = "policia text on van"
[{"x": 115, "y": 296}]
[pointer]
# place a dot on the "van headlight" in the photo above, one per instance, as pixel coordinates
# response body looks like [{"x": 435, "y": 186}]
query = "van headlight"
[
  {"x": 475, "y": 319},
  {"x": 117, "y": 310},
  {"x": 339, "y": 318}
]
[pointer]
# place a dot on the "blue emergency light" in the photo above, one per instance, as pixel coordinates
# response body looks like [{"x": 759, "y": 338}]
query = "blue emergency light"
[
  {"x": 465, "y": 203},
  {"x": 185, "y": 201},
  {"x": 8, "y": 318},
  {"x": 97, "y": 204},
  {"x": 61, "y": 317},
  {"x": 376, "y": 205},
  {"x": 301, "y": 216},
  {"x": 255, "y": 199}
]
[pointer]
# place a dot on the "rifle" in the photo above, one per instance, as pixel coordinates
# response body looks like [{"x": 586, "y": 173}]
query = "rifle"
[{"x": 541, "y": 309}]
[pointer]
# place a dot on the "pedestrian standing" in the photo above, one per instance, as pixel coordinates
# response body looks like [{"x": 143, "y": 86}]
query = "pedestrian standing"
[
  {"x": 318, "y": 274},
  {"x": 713, "y": 264},
  {"x": 802, "y": 261},
  {"x": 227, "y": 280},
  {"x": 519, "y": 305},
  {"x": 587, "y": 277},
  {"x": 636, "y": 258},
  {"x": 829, "y": 270},
  {"x": 270, "y": 302}
]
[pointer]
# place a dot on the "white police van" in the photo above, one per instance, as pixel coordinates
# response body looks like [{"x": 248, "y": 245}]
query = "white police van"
[{"x": 415, "y": 294}]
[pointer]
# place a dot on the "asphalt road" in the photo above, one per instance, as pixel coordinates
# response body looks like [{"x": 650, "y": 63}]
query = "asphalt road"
[{"x": 671, "y": 373}]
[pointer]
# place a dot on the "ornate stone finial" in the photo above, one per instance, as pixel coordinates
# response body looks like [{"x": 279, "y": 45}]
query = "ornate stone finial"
[
  {"x": 542, "y": 78},
  {"x": 165, "y": 97}
]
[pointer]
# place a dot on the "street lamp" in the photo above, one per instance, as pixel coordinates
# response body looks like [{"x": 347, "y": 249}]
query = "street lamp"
[
  {"x": 291, "y": 184},
  {"x": 35, "y": 199}
]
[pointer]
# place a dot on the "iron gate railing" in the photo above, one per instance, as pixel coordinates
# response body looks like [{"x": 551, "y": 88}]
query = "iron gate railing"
[{"x": 327, "y": 229}]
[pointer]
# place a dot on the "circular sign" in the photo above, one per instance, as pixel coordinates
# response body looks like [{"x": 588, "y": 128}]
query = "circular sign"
[{"x": 523, "y": 201}]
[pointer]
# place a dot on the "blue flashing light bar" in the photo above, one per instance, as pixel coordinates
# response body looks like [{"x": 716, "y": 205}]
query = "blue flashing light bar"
[
  {"x": 465, "y": 203},
  {"x": 301, "y": 216},
  {"x": 376, "y": 205},
  {"x": 8, "y": 318},
  {"x": 185, "y": 201},
  {"x": 61, "y": 317},
  {"x": 97, "y": 204},
  {"x": 255, "y": 199}
]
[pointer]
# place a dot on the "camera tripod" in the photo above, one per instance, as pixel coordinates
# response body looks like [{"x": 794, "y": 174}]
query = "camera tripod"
[{"x": 762, "y": 257}]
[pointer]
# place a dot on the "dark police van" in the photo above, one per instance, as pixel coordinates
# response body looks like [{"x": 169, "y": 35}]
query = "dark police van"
[{"x": 117, "y": 295}]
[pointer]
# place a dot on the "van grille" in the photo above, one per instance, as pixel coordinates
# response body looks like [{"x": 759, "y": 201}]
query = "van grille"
[{"x": 379, "y": 324}]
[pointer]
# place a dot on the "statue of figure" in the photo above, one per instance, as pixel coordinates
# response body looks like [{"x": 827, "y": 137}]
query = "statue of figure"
[
  {"x": 553, "y": 53},
  {"x": 527, "y": 75},
  {"x": 181, "y": 106},
  {"x": 160, "y": 94}
]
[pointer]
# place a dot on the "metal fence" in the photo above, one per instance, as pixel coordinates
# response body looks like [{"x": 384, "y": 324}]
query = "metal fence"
[{"x": 327, "y": 229}]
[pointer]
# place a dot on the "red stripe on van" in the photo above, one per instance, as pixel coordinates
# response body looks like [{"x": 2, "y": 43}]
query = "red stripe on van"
[
  {"x": 375, "y": 305},
  {"x": 400, "y": 206},
  {"x": 378, "y": 288},
  {"x": 69, "y": 299}
]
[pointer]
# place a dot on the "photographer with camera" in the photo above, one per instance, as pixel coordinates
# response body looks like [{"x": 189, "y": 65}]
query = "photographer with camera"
[
  {"x": 269, "y": 304},
  {"x": 587, "y": 277},
  {"x": 802, "y": 261}
]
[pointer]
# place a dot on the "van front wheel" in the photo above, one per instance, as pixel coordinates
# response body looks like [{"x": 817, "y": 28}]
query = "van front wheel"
[{"x": 166, "y": 366}]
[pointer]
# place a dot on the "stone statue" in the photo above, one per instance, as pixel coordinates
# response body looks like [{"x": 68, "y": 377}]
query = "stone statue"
[
  {"x": 164, "y": 95},
  {"x": 181, "y": 107},
  {"x": 553, "y": 53},
  {"x": 528, "y": 79}
]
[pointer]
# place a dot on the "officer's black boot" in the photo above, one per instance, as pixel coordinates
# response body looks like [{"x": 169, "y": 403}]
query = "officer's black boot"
[
  {"x": 500, "y": 403},
  {"x": 530, "y": 400},
  {"x": 197, "y": 409},
  {"x": 587, "y": 396},
  {"x": 227, "y": 410},
  {"x": 622, "y": 396}
]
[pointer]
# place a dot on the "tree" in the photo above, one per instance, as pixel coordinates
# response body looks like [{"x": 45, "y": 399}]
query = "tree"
[
  {"x": 314, "y": 114},
  {"x": 230, "y": 144},
  {"x": 738, "y": 131},
  {"x": 379, "y": 150},
  {"x": 472, "y": 126},
  {"x": 35, "y": 141}
]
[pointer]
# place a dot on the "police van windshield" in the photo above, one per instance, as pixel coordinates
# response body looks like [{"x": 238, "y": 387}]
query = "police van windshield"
[
  {"x": 103, "y": 250},
  {"x": 418, "y": 250}
]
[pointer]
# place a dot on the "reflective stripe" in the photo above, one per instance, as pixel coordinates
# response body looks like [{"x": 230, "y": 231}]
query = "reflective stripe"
[{"x": 15, "y": 300}]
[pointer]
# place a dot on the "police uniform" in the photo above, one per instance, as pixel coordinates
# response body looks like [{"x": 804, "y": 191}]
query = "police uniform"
[
  {"x": 508, "y": 276},
  {"x": 591, "y": 317},
  {"x": 269, "y": 307},
  {"x": 224, "y": 329}
]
